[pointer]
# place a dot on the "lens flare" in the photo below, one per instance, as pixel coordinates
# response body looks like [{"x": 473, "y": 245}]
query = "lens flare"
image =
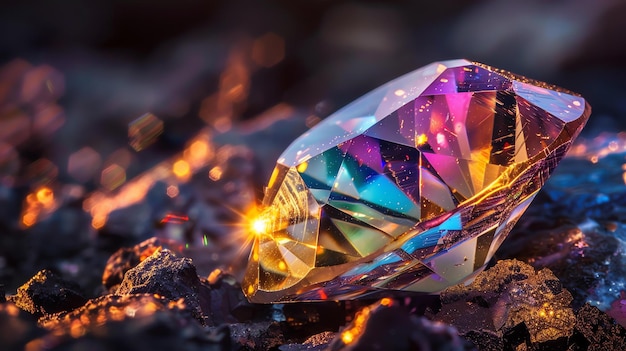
[{"x": 259, "y": 222}]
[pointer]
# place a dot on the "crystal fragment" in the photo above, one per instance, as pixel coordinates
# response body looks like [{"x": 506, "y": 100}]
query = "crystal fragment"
[{"x": 411, "y": 187}]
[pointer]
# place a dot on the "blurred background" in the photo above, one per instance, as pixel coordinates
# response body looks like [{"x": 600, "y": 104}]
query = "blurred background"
[
  {"x": 193, "y": 63},
  {"x": 104, "y": 101}
]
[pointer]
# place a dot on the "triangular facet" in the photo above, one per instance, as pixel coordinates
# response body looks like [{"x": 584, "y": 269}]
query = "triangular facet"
[
  {"x": 365, "y": 240},
  {"x": 320, "y": 171},
  {"x": 456, "y": 263},
  {"x": 562, "y": 105},
  {"x": 396, "y": 128}
]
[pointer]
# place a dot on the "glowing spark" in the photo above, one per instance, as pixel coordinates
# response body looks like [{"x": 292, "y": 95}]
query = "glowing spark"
[
  {"x": 259, "y": 225},
  {"x": 98, "y": 221},
  {"x": 214, "y": 276},
  {"x": 29, "y": 219},
  {"x": 386, "y": 301},
  {"x": 45, "y": 196},
  {"x": 181, "y": 168},
  {"x": 347, "y": 337},
  {"x": 215, "y": 173},
  {"x": 421, "y": 139}
]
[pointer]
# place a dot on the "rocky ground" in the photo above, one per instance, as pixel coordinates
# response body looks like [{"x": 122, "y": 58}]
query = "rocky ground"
[
  {"x": 556, "y": 284},
  {"x": 122, "y": 230},
  {"x": 162, "y": 304}
]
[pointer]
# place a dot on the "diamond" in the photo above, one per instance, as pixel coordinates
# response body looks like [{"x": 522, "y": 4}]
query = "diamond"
[{"x": 411, "y": 187}]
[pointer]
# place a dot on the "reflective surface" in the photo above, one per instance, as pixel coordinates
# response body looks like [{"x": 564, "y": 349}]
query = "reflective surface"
[{"x": 412, "y": 186}]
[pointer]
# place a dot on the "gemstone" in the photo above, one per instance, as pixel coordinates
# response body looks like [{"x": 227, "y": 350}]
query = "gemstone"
[{"x": 411, "y": 187}]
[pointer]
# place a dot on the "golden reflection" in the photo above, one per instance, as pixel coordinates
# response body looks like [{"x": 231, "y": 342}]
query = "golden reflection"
[
  {"x": 259, "y": 226},
  {"x": 259, "y": 222},
  {"x": 196, "y": 155},
  {"x": 181, "y": 168},
  {"x": 215, "y": 173},
  {"x": 37, "y": 205},
  {"x": 421, "y": 139},
  {"x": 45, "y": 196},
  {"x": 347, "y": 337},
  {"x": 29, "y": 218},
  {"x": 353, "y": 332}
]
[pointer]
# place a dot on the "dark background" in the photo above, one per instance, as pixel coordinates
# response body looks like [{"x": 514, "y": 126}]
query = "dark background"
[
  {"x": 118, "y": 59},
  {"x": 75, "y": 73}
]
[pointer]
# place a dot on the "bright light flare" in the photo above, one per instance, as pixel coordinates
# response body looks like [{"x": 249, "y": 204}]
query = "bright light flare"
[{"x": 259, "y": 225}]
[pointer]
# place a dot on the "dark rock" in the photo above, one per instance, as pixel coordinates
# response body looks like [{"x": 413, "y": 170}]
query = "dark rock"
[
  {"x": 578, "y": 221},
  {"x": 17, "y": 327},
  {"x": 485, "y": 340},
  {"x": 46, "y": 293},
  {"x": 256, "y": 336},
  {"x": 132, "y": 322},
  {"x": 117, "y": 265},
  {"x": 126, "y": 258},
  {"x": 317, "y": 342},
  {"x": 512, "y": 302},
  {"x": 302, "y": 320},
  {"x": 114, "y": 308},
  {"x": 150, "y": 269},
  {"x": 389, "y": 326},
  {"x": 222, "y": 300},
  {"x": 561, "y": 248},
  {"x": 516, "y": 337},
  {"x": 600, "y": 330},
  {"x": 166, "y": 275}
]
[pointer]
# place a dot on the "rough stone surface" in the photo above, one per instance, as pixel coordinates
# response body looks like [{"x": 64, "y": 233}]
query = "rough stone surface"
[
  {"x": 46, "y": 293},
  {"x": 132, "y": 322},
  {"x": 514, "y": 302},
  {"x": 126, "y": 258},
  {"x": 256, "y": 336},
  {"x": 222, "y": 300},
  {"x": 165, "y": 274},
  {"x": 114, "y": 308},
  {"x": 317, "y": 342},
  {"x": 305, "y": 319},
  {"x": 544, "y": 241},
  {"x": 599, "y": 330},
  {"x": 388, "y": 326},
  {"x": 485, "y": 340}
]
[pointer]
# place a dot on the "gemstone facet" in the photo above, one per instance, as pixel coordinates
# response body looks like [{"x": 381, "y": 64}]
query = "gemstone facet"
[{"x": 411, "y": 187}]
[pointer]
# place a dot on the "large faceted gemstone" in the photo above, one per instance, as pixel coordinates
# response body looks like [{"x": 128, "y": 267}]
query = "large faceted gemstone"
[{"x": 411, "y": 187}]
